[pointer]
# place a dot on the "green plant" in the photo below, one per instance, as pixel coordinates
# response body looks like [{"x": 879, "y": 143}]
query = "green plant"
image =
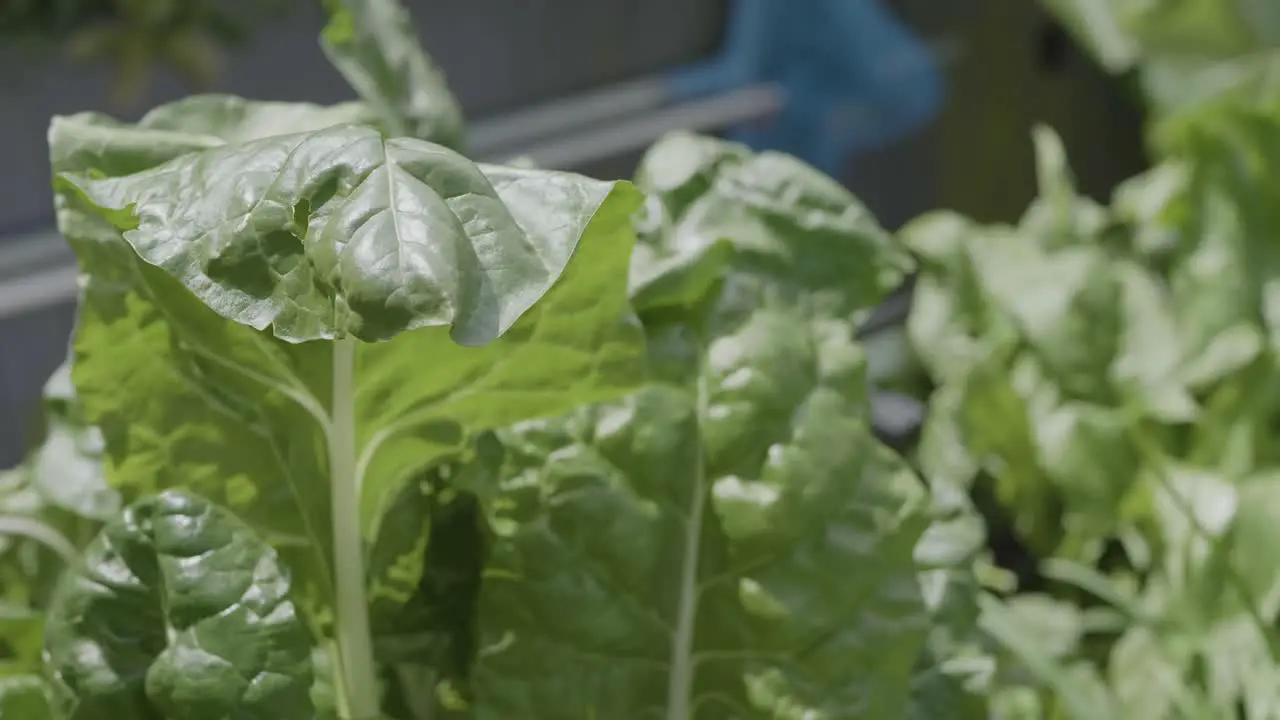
[
  {"x": 389, "y": 433},
  {"x": 362, "y": 430},
  {"x": 309, "y": 320},
  {"x": 690, "y": 551},
  {"x": 1104, "y": 386}
]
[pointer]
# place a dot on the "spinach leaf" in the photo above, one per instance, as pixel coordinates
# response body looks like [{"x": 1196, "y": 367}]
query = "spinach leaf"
[
  {"x": 330, "y": 305},
  {"x": 178, "y": 609},
  {"x": 730, "y": 541}
]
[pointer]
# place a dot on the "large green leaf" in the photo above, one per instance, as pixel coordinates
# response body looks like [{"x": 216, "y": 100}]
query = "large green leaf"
[
  {"x": 635, "y": 576},
  {"x": 225, "y": 290},
  {"x": 335, "y": 232},
  {"x": 178, "y": 609},
  {"x": 733, "y": 542},
  {"x": 373, "y": 45}
]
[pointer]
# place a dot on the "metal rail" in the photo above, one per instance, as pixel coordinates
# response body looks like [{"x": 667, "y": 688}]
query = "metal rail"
[
  {"x": 507, "y": 133},
  {"x": 748, "y": 103}
]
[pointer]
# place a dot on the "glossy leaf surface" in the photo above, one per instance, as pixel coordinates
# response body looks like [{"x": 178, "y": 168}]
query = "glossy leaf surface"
[
  {"x": 732, "y": 542},
  {"x": 217, "y": 301},
  {"x": 178, "y": 609}
]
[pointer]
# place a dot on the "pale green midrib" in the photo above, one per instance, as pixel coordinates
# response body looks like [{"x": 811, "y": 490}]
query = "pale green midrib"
[
  {"x": 389, "y": 165},
  {"x": 365, "y": 457},
  {"x": 680, "y": 673},
  {"x": 355, "y": 643}
]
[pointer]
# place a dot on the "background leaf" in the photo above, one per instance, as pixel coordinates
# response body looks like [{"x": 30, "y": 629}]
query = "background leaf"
[{"x": 373, "y": 45}]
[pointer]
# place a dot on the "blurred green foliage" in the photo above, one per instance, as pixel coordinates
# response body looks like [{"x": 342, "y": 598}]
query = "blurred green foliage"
[{"x": 136, "y": 36}]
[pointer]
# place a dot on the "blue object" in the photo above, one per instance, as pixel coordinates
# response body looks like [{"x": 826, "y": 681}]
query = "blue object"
[{"x": 854, "y": 77}]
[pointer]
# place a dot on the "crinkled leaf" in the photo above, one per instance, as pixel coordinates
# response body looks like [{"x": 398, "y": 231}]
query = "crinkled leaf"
[
  {"x": 338, "y": 231},
  {"x": 684, "y": 553},
  {"x": 234, "y": 119},
  {"x": 634, "y": 576},
  {"x": 798, "y": 236},
  {"x": 178, "y": 609},
  {"x": 672, "y": 277}
]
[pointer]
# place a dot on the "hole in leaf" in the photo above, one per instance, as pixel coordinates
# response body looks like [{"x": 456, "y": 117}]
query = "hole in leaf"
[{"x": 255, "y": 268}]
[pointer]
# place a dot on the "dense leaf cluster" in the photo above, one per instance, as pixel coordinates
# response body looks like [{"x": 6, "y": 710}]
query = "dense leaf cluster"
[{"x": 353, "y": 427}]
